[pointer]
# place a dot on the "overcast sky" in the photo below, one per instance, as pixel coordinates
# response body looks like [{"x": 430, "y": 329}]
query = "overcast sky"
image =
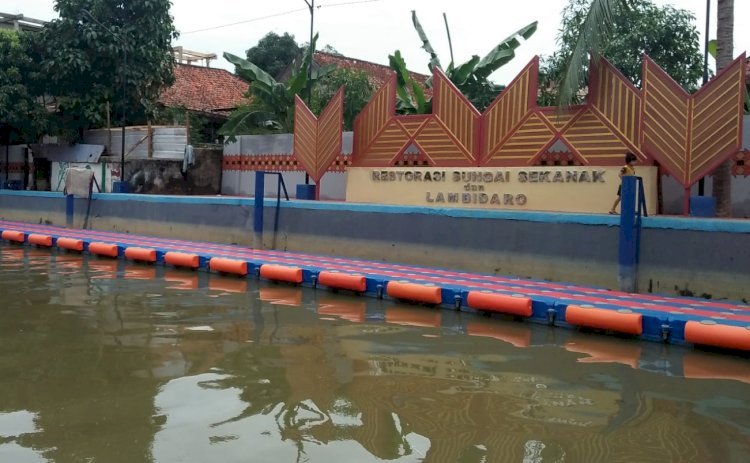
[{"x": 373, "y": 29}]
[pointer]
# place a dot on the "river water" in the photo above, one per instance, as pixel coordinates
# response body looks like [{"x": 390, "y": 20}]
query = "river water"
[{"x": 103, "y": 361}]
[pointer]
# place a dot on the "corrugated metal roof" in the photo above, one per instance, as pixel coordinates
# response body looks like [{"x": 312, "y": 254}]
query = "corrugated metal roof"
[{"x": 68, "y": 153}]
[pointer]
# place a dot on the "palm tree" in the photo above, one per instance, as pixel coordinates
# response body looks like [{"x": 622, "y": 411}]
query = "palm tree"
[
  {"x": 471, "y": 77},
  {"x": 599, "y": 22},
  {"x": 272, "y": 105},
  {"x": 722, "y": 189}
]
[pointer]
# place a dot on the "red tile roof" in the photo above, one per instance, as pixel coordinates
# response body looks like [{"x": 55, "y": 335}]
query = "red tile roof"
[
  {"x": 203, "y": 89},
  {"x": 378, "y": 73}
]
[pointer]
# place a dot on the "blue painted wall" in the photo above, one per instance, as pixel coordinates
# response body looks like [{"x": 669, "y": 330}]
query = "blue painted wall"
[{"x": 691, "y": 256}]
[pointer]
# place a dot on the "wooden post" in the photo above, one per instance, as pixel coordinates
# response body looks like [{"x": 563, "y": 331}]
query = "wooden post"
[
  {"x": 109, "y": 131},
  {"x": 187, "y": 126},
  {"x": 150, "y": 135}
]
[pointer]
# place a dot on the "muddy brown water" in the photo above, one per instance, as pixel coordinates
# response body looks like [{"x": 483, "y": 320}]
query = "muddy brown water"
[{"x": 103, "y": 361}]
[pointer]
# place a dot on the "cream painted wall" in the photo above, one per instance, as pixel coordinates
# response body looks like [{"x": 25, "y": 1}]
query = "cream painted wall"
[{"x": 541, "y": 188}]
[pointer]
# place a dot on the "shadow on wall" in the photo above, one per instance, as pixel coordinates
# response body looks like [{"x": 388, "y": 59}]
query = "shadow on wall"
[{"x": 166, "y": 177}]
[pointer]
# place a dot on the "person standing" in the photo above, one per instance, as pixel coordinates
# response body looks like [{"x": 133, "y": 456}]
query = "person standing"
[{"x": 627, "y": 169}]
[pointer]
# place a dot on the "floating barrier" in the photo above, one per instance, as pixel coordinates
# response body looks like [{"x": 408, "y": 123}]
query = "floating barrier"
[
  {"x": 515, "y": 304},
  {"x": 14, "y": 236},
  {"x": 338, "y": 280},
  {"x": 709, "y": 333},
  {"x": 281, "y": 273},
  {"x": 71, "y": 244},
  {"x": 224, "y": 265},
  {"x": 180, "y": 259},
  {"x": 664, "y": 318},
  {"x": 621, "y": 321},
  {"x": 140, "y": 254},
  {"x": 104, "y": 249},
  {"x": 40, "y": 240},
  {"x": 414, "y": 292}
]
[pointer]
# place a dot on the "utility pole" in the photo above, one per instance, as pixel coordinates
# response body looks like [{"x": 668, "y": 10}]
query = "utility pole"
[{"x": 311, "y": 6}]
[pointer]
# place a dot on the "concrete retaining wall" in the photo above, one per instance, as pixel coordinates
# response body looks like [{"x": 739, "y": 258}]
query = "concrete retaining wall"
[{"x": 679, "y": 255}]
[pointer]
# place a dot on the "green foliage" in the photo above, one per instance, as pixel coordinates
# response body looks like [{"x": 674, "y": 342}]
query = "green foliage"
[
  {"x": 357, "y": 92},
  {"x": 272, "y": 107},
  {"x": 471, "y": 77},
  {"x": 622, "y": 31},
  {"x": 274, "y": 53},
  {"x": 87, "y": 59},
  {"x": 666, "y": 34},
  {"x": 23, "y": 118},
  {"x": 410, "y": 96}
]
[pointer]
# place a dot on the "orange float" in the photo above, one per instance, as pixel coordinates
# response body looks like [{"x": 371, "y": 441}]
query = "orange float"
[
  {"x": 343, "y": 281},
  {"x": 71, "y": 244},
  {"x": 140, "y": 254},
  {"x": 281, "y": 273},
  {"x": 621, "y": 321},
  {"x": 40, "y": 240},
  {"x": 414, "y": 292},
  {"x": 503, "y": 303},
  {"x": 13, "y": 235},
  {"x": 179, "y": 259},
  {"x": 224, "y": 265},
  {"x": 709, "y": 333},
  {"x": 104, "y": 249}
]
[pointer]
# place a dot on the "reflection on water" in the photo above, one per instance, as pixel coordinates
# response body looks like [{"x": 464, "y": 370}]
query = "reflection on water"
[{"x": 105, "y": 361}]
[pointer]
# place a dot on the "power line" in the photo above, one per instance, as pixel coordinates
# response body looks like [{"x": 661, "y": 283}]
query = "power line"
[
  {"x": 283, "y": 13},
  {"x": 348, "y": 3}
]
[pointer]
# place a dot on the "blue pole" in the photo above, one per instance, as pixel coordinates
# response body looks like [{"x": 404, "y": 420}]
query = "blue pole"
[
  {"x": 260, "y": 188},
  {"x": 628, "y": 252},
  {"x": 69, "y": 205}
]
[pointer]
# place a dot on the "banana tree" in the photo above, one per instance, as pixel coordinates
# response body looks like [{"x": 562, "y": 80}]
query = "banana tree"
[
  {"x": 471, "y": 77},
  {"x": 272, "y": 103}
]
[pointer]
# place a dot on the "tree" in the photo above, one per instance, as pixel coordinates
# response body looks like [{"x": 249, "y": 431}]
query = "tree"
[
  {"x": 83, "y": 54},
  {"x": 471, "y": 77},
  {"x": 666, "y": 34},
  {"x": 272, "y": 106},
  {"x": 23, "y": 118},
  {"x": 357, "y": 92},
  {"x": 722, "y": 184},
  {"x": 274, "y": 53}
]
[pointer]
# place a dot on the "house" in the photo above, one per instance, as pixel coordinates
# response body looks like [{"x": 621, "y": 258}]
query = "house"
[
  {"x": 19, "y": 22},
  {"x": 209, "y": 93},
  {"x": 378, "y": 73}
]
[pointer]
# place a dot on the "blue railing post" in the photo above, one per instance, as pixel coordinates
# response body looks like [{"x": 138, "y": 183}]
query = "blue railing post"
[
  {"x": 69, "y": 210},
  {"x": 629, "y": 231},
  {"x": 260, "y": 188}
]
